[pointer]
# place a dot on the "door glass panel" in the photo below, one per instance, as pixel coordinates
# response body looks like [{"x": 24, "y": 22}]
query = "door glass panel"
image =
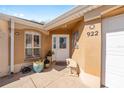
[
  {"x": 62, "y": 42},
  {"x": 28, "y": 40},
  {"x": 36, "y": 41},
  {"x": 54, "y": 42}
]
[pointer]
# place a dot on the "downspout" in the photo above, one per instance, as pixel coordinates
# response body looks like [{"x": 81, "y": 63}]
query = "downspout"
[{"x": 11, "y": 46}]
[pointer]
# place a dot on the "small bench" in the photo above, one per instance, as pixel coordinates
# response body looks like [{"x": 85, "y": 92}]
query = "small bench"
[{"x": 73, "y": 67}]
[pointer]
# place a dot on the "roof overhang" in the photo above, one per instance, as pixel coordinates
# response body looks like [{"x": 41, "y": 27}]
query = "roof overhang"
[
  {"x": 71, "y": 15},
  {"x": 23, "y": 22}
]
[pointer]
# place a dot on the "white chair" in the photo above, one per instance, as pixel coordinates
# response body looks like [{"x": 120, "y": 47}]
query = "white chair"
[{"x": 73, "y": 67}]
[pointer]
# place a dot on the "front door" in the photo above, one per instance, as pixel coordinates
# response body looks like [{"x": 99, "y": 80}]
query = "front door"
[{"x": 60, "y": 47}]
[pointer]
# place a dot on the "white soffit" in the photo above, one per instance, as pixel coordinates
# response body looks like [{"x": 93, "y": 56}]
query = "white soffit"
[
  {"x": 97, "y": 13},
  {"x": 73, "y": 14}
]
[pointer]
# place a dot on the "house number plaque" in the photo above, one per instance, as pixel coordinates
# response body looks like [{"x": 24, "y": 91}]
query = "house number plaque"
[{"x": 92, "y": 33}]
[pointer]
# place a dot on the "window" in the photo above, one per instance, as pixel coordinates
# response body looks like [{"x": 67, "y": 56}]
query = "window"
[
  {"x": 75, "y": 37},
  {"x": 32, "y": 44}
]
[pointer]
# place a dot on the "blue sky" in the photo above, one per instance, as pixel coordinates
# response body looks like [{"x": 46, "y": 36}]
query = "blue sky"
[{"x": 35, "y": 12}]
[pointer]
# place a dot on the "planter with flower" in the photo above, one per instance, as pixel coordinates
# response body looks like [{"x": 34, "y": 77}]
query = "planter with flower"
[{"x": 38, "y": 65}]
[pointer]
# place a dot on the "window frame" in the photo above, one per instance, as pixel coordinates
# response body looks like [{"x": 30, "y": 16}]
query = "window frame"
[
  {"x": 33, "y": 47},
  {"x": 75, "y": 37}
]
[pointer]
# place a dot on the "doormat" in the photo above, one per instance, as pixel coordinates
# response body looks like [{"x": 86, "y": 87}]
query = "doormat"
[{"x": 61, "y": 64}]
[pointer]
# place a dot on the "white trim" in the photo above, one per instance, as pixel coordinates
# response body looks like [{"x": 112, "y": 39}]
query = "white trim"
[
  {"x": 86, "y": 20},
  {"x": 12, "y": 46},
  {"x": 111, "y": 9}
]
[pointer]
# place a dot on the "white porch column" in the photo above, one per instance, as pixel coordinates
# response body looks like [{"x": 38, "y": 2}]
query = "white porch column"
[{"x": 12, "y": 46}]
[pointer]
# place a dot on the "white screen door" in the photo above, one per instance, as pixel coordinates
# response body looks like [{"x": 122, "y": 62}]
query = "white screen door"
[{"x": 60, "y": 46}]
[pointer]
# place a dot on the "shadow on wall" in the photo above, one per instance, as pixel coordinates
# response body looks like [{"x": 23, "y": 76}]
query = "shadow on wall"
[
  {"x": 88, "y": 53},
  {"x": 76, "y": 51}
]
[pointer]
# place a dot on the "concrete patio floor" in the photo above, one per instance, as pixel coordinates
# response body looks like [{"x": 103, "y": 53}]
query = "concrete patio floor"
[{"x": 54, "y": 77}]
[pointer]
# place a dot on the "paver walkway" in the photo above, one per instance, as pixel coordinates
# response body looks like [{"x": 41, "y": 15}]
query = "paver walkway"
[{"x": 55, "y": 77}]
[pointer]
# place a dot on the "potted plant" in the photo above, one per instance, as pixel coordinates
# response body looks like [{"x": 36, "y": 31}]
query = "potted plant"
[
  {"x": 46, "y": 63},
  {"x": 49, "y": 55},
  {"x": 38, "y": 65}
]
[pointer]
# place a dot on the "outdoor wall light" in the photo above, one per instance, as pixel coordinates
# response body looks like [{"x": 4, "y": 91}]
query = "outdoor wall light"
[
  {"x": 64, "y": 26},
  {"x": 17, "y": 33},
  {"x": 91, "y": 26}
]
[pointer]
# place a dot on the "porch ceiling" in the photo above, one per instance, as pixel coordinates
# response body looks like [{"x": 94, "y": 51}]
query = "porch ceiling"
[{"x": 68, "y": 26}]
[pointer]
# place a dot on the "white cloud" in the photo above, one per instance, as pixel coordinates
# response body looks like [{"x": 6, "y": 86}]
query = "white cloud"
[
  {"x": 21, "y": 15},
  {"x": 18, "y": 14},
  {"x": 15, "y": 14}
]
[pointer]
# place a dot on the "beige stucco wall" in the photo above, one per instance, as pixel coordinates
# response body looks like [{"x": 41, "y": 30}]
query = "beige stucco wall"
[
  {"x": 93, "y": 49},
  {"x": 88, "y": 55},
  {"x": 4, "y": 48},
  {"x": 45, "y": 45},
  {"x": 19, "y": 47}
]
